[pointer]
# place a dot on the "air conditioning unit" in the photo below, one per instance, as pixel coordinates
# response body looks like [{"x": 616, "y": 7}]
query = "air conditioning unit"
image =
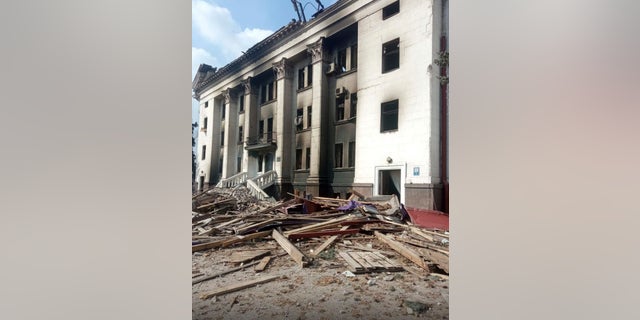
[
  {"x": 341, "y": 91},
  {"x": 332, "y": 68}
]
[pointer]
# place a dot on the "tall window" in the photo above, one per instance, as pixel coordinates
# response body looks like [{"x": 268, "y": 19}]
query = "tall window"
[
  {"x": 389, "y": 116},
  {"x": 222, "y": 106},
  {"x": 204, "y": 152},
  {"x": 298, "y": 159},
  {"x": 240, "y": 135},
  {"x": 261, "y": 129},
  {"x": 268, "y": 92},
  {"x": 354, "y": 56},
  {"x": 390, "y": 10},
  {"x": 342, "y": 60},
  {"x": 206, "y": 104},
  {"x": 301, "y": 78},
  {"x": 354, "y": 105},
  {"x": 241, "y": 104},
  {"x": 299, "y": 118},
  {"x": 338, "y": 155},
  {"x": 309, "y": 117},
  {"x": 308, "y": 158},
  {"x": 340, "y": 108},
  {"x": 391, "y": 55},
  {"x": 309, "y": 75},
  {"x": 222, "y": 138},
  {"x": 352, "y": 154},
  {"x": 205, "y": 123}
]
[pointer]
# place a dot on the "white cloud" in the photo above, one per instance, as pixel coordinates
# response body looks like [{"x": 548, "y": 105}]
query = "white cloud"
[{"x": 216, "y": 25}]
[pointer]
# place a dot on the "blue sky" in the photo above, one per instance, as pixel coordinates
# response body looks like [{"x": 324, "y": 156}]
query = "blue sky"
[{"x": 221, "y": 29}]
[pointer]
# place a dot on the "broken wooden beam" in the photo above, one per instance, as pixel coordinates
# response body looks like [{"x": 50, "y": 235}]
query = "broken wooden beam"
[
  {"x": 327, "y": 243},
  {"x": 403, "y": 250},
  {"x": 244, "y": 256},
  {"x": 219, "y": 274},
  {"x": 237, "y": 239},
  {"x": 238, "y": 286},
  {"x": 291, "y": 249},
  {"x": 262, "y": 265},
  {"x": 322, "y": 233}
]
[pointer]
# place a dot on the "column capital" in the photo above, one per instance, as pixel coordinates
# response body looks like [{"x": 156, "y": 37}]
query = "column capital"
[
  {"x": 247, "y": 86},
  {"x": 283, "y": 69},
  {"x": 317, "y": 51},
  {"x": 226, "y": 93}
]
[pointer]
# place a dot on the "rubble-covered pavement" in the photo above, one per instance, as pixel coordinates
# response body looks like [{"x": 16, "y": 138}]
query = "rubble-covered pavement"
[{"x": 318, "y": 258}]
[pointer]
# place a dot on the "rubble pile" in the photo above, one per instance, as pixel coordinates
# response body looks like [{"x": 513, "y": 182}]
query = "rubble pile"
[{"x": 363, "y": 234}]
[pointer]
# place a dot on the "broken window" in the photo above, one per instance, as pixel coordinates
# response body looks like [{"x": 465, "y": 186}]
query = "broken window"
[
  {"x": 389, "y": 116},
  {"x": 298, "y": 159},
  {"x": 299, "y": 118},
  {"x": 301, "y": 78},
  {"x": 391, "y": 55},
  {"x": 338, "y": 155},
  {"x": 353, "y": 105},
  {"x": 340, "y": 108},
  {"x": 309, "y": 75},
  {"x": 354, "y": 56},
  {"x": 390, "y": 10},
  {"x": 342, "y": 60},
  {"x": 268, "y": 92},
  {"x": 352, "y": 154}
]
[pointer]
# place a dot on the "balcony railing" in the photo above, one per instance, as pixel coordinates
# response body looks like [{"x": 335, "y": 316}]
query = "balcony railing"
[{"x": 264, "y": 138}]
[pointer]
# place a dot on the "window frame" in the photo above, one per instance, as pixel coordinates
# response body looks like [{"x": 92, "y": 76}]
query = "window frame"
[
  {"x": 385, "y": 114},
  {"x": 391, "y": 10},
  {"x": 389, "y": 54}
]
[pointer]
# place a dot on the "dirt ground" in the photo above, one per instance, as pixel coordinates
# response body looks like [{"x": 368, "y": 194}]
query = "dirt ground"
[{"x": 319, "y": 291}]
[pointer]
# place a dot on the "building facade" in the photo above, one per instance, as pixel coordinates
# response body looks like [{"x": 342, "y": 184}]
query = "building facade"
[{"x": 351, "y": 100}]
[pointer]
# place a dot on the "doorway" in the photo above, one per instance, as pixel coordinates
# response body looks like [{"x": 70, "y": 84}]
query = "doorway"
[{"x": 390, "y": 182}]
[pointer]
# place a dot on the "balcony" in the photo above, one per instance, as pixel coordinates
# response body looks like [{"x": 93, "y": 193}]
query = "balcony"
[{"x": 265, "y": 141}]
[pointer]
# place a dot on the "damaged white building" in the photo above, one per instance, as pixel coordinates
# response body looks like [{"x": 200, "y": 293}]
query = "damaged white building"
[{"x": 354, "y": 99}]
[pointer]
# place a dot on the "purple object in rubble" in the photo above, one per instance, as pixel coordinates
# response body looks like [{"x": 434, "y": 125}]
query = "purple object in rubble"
[{"x": 349, "y": 206}]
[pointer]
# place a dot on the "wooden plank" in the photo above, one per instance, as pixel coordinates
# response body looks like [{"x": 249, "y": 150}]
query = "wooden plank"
[
  {"x": 219, "y": 274},
  {"x": 327, "y": 243},
  {"x": 374, "y": 261},
  {"x": 403, "y": 250},
  {"x": 238, "y": 286},
  {"x": 317, "y": 226},
  {"x": 318, "y": 234},
  {"x": 441, "y": 260},
  {"x": 263, "y": 264},
  {"x": 237, "y": 239},
  {"x": 208, "y": 245},
  {"x": 386, "y": 261},
  {"x": 355, "y": 266},
  {"x": 298, "y": 256},
  {"x": 361, "y": 260},
  {"x": 422, "y": 244},
  {"x": 244, "y": 256}
]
